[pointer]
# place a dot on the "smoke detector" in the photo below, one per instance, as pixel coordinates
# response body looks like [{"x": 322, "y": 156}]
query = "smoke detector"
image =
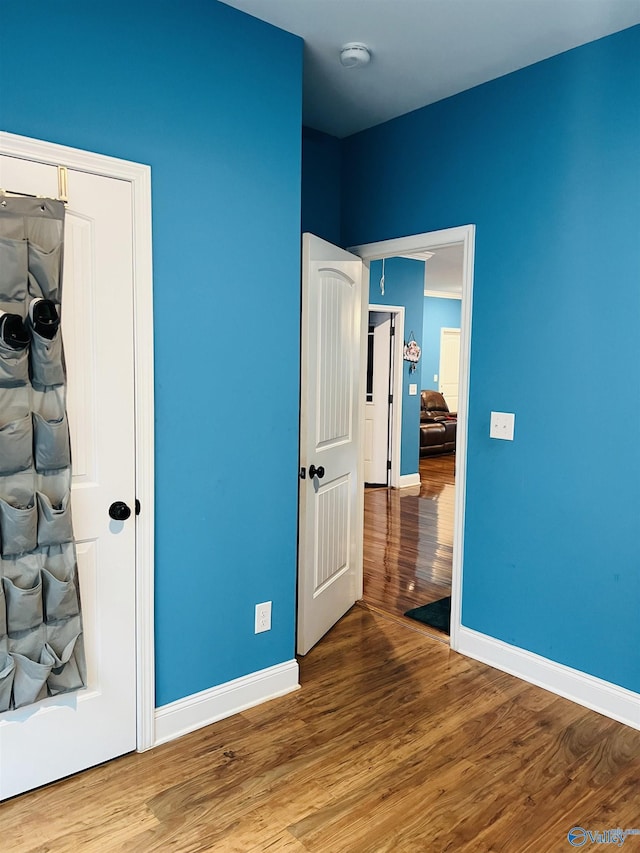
[{"x": 355, "y": 55}]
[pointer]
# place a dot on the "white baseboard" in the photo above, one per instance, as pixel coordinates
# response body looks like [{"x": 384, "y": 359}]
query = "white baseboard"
[
  {"x": 200, "y": 709},
  {"x": 408, "y": 480},
  {"x": 608, "y": 699}
]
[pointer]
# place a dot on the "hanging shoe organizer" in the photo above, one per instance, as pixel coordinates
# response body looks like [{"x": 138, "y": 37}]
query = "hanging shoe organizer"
[{"x": 41, "y": 644}]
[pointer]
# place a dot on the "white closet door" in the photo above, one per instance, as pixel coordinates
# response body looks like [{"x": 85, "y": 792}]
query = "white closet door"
[{"x": 68, "y": 733}]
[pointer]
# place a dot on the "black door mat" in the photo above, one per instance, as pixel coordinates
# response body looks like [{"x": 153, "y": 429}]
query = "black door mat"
[{"x": 437, "y": 614}]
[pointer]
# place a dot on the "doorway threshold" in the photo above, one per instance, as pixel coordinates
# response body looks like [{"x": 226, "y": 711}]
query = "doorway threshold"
[{"x": 411, "y": 624}]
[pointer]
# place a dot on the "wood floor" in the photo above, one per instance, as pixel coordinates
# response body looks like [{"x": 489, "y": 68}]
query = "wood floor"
[
  {"x": 408, "y": 540},
  {"x": 394, "y": 744}
]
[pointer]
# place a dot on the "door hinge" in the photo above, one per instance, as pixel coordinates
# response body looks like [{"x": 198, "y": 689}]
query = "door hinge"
[
  {"x": 137, "y": 507},
  {"x": 303, "y": 474},
  {"x": 393, "y": 331},
  {"x": 391, "y": 398},
  {"x": 388, "y": 464}
]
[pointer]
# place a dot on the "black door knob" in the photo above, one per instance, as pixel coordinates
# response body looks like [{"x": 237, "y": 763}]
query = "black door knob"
[
  {"x": 119, "y": 511},
  {"x": 316, "y": 472}
]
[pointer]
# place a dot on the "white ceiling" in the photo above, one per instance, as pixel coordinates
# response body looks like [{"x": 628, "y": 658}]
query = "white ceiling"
[
  {"x": 443, "y": 272},
  {"x": 425, "y": 50}
]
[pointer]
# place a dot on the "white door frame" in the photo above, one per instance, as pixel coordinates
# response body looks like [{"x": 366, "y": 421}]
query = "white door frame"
[
  {"x": 139, "y": 177},
  {"x": 464, "y": 234},
  {"x": 396, "y": 388}
]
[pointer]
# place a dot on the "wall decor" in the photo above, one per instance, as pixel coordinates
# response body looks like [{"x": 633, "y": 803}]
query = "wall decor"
[{"x": 411, "y": 352}]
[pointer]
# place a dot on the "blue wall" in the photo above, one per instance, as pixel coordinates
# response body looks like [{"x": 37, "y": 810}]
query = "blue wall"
[
  {"x": 438, "y": 314},
  {"x": 321, "y": 180},
  {"x": 404, "y": 285},
  {"x": 545, "y": 162},
  {"x": 160, "y": 83}
]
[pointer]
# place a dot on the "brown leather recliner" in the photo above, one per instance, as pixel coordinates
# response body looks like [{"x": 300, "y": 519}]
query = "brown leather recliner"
[{"x": 437, "y": 425}]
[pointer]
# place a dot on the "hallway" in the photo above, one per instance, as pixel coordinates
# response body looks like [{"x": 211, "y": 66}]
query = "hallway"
[{"x": 408, "y": 540}]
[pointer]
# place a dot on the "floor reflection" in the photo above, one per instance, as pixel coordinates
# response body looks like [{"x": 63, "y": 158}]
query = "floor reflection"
[{"x": 408, "y": 539}]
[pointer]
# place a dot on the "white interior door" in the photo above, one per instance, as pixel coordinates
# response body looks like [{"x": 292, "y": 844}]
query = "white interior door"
[
  {"x": 376, "y": 424},
  {"x": 329, "y": 550},
  {"x": 450, "y": 366},
  {"x": 68, "y": 733}
]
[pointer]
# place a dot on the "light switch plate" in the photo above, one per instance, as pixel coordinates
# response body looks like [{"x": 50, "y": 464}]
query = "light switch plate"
[
  {"x": 435, "y": 377},
  {"x": 413, "y": 390},
  {"x": 502, "y": 425}
]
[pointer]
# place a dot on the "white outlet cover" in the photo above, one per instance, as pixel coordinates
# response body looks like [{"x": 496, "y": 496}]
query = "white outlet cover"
[
  {"x": 502, "y": 425},
  {"x": 413, "y": 390},
  {"x": 263, "y": 617}
]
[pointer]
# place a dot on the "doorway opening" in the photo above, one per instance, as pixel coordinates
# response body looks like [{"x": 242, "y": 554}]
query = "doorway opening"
[
  {"x": 435, "y": 502},
  {"x": 383, "y": 396},
  {"x": 378, "y": 398}
]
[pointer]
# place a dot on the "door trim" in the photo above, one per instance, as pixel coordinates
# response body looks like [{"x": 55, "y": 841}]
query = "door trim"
[
  {"x": 464, "y": 234},
  {"x": 139, "y": 176},
  {"x": 396, "y": 389}
]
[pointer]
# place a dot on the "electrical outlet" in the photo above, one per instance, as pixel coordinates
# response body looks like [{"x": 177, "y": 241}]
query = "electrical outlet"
[{"x": 263, "y": 617}]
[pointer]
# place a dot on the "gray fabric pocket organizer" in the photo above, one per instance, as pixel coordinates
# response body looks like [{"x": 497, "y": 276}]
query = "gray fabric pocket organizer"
[
  {"x": 60, "y": 561},
  {"x": 24, "y": 606},
  {"x": 55, "y": 485},
  {"x": 16, "y": 442},
  {"x": 41, "y": 638},
  {"x": 52, "y": 449},
  {"x": 30, "y": 679},
  {"x": 7, "y": 672},
  {"x": 28, "y": 643},
  {"x": 54, "y": 522},
  {"x": 45, "y": 269},
  {"x": 62, "y": 643},
  {"x": 13, "y": 270},
  {"x": 3, "y": 614},
  {"x": 67, "y": 668},
  {"x": 47, "y": 367},
  {"x": 17, "y": 489},
  {"x": 60, "y": 597},
  {"x": 18, "y": 527},
  {"x": 14, "y": 403},
  {"x": 25, "y": 569},
  {"x": 49, "y": 403},
  {"x": 14, "y": 366}
]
